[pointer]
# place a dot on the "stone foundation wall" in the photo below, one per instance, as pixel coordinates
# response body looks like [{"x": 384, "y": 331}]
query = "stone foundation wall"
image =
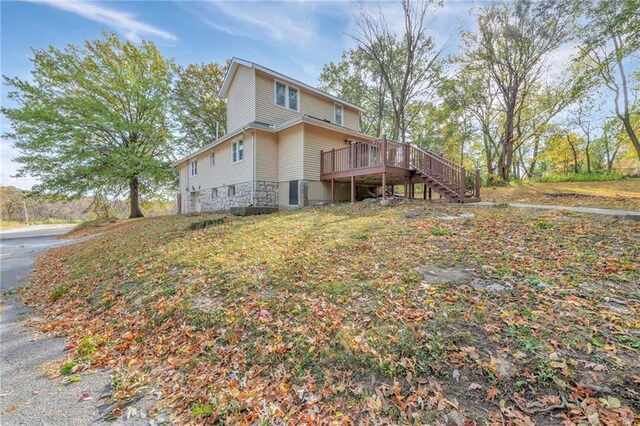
[
  {"x": 220, "y": 198},
  {"x": 266, "y": 194}
]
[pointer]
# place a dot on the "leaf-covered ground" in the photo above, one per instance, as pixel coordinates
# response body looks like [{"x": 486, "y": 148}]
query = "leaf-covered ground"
[
  {"x": 411, "y": 314},
  {"x": 620, "y": 194}
]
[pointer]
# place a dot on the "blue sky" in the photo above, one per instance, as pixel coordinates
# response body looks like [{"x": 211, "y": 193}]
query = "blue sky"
[{"x": 293, "y": 37}]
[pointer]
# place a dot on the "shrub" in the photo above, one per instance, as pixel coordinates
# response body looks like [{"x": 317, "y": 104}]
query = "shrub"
[{"x": 496, "y": 180}]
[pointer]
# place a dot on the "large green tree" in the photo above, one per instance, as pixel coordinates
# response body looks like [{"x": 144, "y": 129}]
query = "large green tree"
[
  {"x": 95, "y": 118},
  {"x": 201, "y": 115}
]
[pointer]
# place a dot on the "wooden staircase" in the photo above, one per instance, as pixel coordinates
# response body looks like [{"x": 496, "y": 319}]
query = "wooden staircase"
[
  {"x": 448, "y": 179},
  {"x": 385, "y": 157}
]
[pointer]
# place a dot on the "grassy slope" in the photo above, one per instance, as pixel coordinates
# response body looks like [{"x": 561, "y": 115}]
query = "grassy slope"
[
  {"x": 319, "y": 315},
  {"x": 622, "y": 194}
]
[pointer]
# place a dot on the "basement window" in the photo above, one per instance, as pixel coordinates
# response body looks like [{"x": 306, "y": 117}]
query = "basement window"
[
  {"x": 231, "y": 191},
  {"x": 214, "y": 193}
]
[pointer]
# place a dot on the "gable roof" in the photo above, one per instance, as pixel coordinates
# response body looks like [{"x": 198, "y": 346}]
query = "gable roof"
[{"x": 236, "y": 62}]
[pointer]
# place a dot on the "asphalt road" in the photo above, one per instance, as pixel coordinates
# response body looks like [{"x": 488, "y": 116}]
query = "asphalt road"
[
  {"x": 20, "y": 247},
  {"x": 27, "y": 397}
]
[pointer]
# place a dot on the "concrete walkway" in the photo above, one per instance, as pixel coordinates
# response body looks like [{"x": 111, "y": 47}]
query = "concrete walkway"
[{"x": 621, "y": 214}]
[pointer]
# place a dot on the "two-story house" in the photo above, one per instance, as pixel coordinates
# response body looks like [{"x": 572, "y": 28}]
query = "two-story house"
[
  {"x": 271, "y": 154},
  {"x": 289, "y": 144}
]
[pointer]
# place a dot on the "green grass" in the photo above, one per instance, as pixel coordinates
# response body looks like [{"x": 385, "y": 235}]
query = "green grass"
[
  {"x": 59, "y": 292},
  {"x": 579, "y": 177},
  {"x": 5, "y": 224}
]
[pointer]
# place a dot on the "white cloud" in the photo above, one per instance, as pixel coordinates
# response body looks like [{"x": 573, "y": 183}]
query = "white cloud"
[
  {"x": 291, "y": 23},
  {"x": 443, "y": 24},
  {"x": 124, "y": 22},
  {"x": 8, "y": 168}
]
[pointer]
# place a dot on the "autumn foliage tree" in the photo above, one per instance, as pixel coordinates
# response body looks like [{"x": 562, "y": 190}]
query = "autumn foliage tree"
[
  {"x": 95, "y": 119},
  {"x": 200, "y": 113}
]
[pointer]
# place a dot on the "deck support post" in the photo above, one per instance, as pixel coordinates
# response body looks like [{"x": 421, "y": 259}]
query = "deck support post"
[
  {"x": 393, "y": 187},
  {"x": 424, "y": 191},
  {"x": 477, "y": 188},
  {"x": 463, "y": 182},
  {"x": 384, "y": 186},
  {"x": 413, "y": 189},
  {"x": 429, "y": 192},
  {"x": 353, "y": 189},
  {"x": 333, "y": 191}
]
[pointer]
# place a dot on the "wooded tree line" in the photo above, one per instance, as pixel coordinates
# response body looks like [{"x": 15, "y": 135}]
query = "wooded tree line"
[
  {"x": 108, "y": 118},
  {"x": 19, "y": 205},
  {"x": 498, "y": 103}
]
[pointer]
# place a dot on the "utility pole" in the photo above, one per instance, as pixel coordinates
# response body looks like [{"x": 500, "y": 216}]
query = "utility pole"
[{"x": 26, "y": 215}]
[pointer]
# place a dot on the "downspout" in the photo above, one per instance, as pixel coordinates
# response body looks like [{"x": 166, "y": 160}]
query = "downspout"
[
  {"x": 187, "y": 203},
  {"x": 253, "y": 164},
  {"x": 253, "y": 168}
]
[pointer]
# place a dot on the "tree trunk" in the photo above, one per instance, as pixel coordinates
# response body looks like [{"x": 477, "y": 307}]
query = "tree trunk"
[
  {"x": 134, "y": 185},
  {"x": 588, "y": 158},
  {"x": 632, "y": 134}
]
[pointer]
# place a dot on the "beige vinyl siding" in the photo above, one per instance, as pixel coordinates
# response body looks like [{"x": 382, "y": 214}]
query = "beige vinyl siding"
[
  {"x": 266, "y": 108},
  {"x": 324, "y": 109},
  {"x": 315, "y": 140},
  {"x": 351, "y": 119},
  {"x": 241, "y": 105},
  {"x": 290, "y": 154},
  {"x": 223, "y": 172},
  {"x": 320, "y": 192},
  {"x": 184, "y": 183},
  {"x": 310, "y": 104},
  {"x": 266, "y": 156}
]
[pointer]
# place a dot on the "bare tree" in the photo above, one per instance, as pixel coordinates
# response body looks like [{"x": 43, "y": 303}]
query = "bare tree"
[
  {"x": 610, "y": 38},
  {"x": 409, "y": 64},
  {"x": 512, "y": 45}
]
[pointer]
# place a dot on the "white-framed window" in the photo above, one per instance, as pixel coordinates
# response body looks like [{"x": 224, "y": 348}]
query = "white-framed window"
[
  {"x": 293, "y": 99},
  {"x": 231, "y": 191},
  {"x": 194, "y": 167},
  {"x": 237, "y": 151},
  {"x": 212, "y": 158},
  {"x": 286, "y": 96},
  {"x": 214, "y": 193},
  {"x": 281, "y": 94},
  {"x": 338, "y": 114}
]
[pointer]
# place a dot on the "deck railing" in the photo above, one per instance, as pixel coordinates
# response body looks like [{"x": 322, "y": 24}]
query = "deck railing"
[{"x": 405, "y": 156}]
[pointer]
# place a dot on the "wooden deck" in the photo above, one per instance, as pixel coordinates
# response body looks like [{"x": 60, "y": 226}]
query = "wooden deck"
[{"x": 386, "y": 163}]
